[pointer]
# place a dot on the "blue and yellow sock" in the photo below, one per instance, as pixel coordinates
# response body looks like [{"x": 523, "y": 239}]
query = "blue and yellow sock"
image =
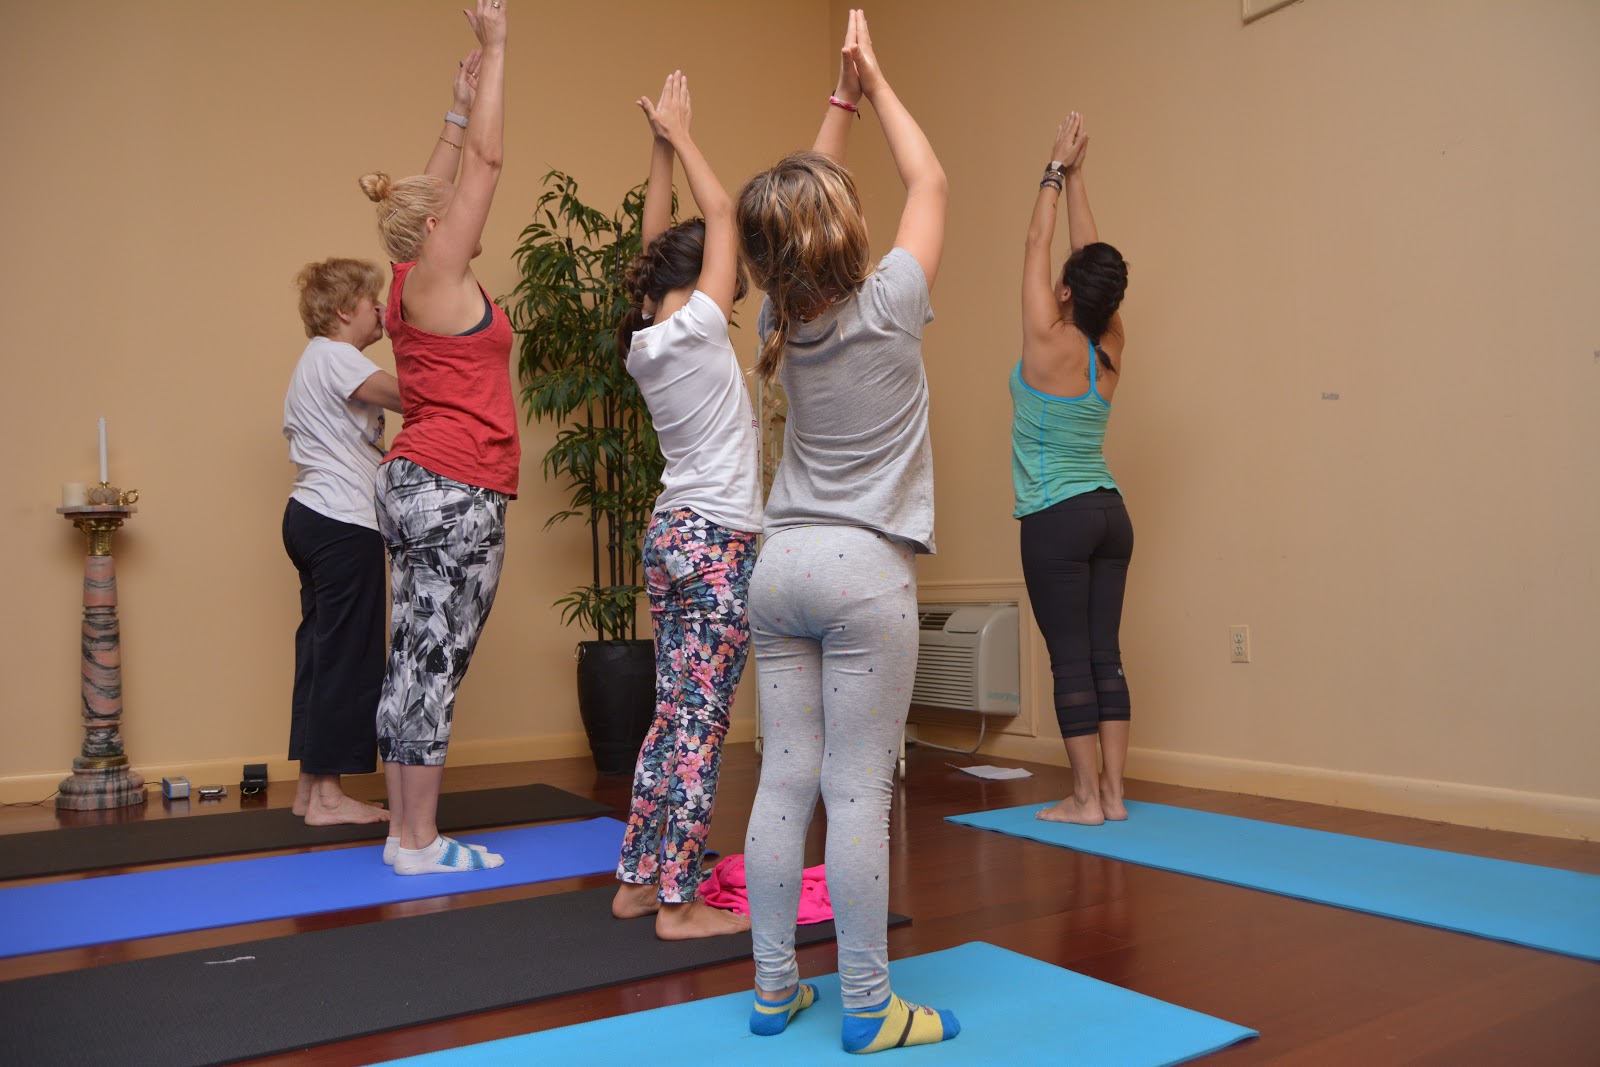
[
  {"x": 769, "y": 1017},
  {"x": 896, "y": 1023}
]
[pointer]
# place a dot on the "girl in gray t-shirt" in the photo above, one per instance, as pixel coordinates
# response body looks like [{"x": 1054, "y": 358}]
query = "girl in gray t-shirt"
[{"x": 833, "y": 599}]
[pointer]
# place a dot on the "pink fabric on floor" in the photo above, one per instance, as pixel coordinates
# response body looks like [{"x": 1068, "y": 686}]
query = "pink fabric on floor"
[{"x": 725, "y": 888}]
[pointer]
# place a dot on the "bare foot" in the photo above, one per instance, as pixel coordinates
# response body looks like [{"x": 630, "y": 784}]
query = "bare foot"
[
  {"x": 340, "y": 810},
  {"x": 1073, "y": 810},
  {"x": 1113, "y": 807},
  {"x": 634, "y": 901},
  {"x": 302, "y": 796},
  {"x": 681, "y": 922}
]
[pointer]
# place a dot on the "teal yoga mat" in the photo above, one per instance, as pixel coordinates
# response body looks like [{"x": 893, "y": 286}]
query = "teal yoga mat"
[
  {"x": 1541, "y": 907},
  {"x": 57, "y": 915},
  {"x": 1013, "y": 1010}
]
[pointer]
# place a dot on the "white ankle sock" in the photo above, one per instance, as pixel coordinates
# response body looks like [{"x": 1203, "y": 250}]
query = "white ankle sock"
[
  {"x": 391, "y": 849},
  {"x": 444, "y": 856}
]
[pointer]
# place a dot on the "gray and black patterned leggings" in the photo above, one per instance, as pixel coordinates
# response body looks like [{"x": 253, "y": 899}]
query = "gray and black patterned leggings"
[{"x": 446, "y": 543}]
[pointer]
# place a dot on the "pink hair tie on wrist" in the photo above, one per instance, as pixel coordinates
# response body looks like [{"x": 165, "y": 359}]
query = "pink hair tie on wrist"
[{"x": 853, "y": 109}]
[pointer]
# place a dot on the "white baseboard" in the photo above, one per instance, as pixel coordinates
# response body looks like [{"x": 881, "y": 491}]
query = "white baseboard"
[{"x": 1489, "y": 807}]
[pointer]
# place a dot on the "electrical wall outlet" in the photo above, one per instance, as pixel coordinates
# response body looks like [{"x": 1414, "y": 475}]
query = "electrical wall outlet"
[{"x": 1239, "y": 644}]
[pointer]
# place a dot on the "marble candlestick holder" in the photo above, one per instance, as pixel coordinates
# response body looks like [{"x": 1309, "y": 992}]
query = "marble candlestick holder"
[{"x": 101, "y": 776}]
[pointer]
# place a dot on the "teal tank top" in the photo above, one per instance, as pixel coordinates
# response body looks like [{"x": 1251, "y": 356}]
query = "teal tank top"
[{"x": 1057, "y": 443}]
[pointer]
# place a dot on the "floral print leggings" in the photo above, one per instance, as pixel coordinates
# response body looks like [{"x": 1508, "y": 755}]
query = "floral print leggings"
[{"x": 698, "y": 576}]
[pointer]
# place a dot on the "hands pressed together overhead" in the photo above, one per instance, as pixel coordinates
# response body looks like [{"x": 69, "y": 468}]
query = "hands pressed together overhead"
[
  {"x": 1072, "y": 142},
  {"x": 669, "y": 115}
]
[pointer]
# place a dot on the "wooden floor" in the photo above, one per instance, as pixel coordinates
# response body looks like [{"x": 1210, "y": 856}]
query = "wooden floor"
[{"x": 1323, "y": 985}]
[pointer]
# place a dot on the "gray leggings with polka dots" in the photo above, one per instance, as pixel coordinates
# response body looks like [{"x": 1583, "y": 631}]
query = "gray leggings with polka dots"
[{"x": 833, "y": 617}]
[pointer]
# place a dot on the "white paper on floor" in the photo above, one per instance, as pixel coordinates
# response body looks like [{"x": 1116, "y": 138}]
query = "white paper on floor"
[{"x": 985, "y": 771}]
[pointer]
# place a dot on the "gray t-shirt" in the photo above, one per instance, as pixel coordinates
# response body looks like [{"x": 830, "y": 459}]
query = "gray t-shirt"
[{"x": 856, "y": 450}]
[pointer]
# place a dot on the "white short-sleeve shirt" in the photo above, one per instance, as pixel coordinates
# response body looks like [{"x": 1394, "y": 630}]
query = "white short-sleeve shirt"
[
  {"x": 335, "y": 441},
  {"x": 695, "y": 389}
]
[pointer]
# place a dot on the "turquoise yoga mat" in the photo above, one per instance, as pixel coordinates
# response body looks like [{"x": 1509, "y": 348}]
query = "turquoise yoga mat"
[
  {"x": 1540, "y": 907},
  {"x": 1013, "y": 1010},
  {"x": 120, "y": 907}
]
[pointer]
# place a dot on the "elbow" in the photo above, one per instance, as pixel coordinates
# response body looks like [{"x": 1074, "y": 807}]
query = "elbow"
[
  {"x": 934, "y": 183},
  {"x": 718, "y": 207},
  {"x": 490, "y": 156}
]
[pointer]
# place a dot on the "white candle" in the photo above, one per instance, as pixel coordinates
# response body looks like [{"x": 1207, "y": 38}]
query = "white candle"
[
  {"x": 74, "y": 495},
  {"x": 104, "y": 478}
]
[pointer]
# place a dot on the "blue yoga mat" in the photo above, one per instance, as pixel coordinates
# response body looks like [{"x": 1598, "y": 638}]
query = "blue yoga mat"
[
  {"x": 43, "y": 918},
  {"x": 1012, "y": 1009},
  {"x": 1541, "y": 907}
]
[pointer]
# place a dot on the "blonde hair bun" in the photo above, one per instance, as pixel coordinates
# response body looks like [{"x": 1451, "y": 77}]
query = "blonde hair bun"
[{"x": 376, "y": 185}]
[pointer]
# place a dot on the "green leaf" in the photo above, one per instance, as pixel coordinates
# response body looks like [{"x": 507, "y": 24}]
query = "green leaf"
[{"x": 571, "y": 258}]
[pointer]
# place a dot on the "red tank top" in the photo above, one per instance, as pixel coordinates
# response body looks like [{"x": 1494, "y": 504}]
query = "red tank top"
[{"x": 460, "y": 418}]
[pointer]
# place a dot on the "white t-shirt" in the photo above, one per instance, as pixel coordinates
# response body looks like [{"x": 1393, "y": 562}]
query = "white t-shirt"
[
  {"x": 694, "y": 387},
  {"x": 336, "y": 442}
]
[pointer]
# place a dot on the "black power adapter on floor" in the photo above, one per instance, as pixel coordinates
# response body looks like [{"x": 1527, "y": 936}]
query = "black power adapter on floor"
[{"x": 253, "y": 784}]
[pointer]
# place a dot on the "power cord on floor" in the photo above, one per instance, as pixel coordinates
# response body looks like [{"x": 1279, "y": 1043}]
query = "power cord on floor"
[
  {"x": 983, "y": 724},
  {"x": 29, "y": 803}
]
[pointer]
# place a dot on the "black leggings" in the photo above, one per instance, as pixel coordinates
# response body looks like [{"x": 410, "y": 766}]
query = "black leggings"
[
  {"x": 1075, "y": 560},
  {"x": 338, "y": 648}
]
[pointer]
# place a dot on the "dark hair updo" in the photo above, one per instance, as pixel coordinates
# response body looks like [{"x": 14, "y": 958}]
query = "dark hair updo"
[
  {"x": 1098, "y": 277},
  {"x": 672, "y": 261}
]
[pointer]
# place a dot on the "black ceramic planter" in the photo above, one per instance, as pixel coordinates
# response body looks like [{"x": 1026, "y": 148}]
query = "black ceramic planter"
[{"x": 616, "y": 698}]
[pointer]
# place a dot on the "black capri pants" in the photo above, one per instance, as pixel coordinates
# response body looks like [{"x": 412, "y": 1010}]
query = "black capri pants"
[
  {"x": 1075, "y": 561},
  {"x": 338, "y": 647}
]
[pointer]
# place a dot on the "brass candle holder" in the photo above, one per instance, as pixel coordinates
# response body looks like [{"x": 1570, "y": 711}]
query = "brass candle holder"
[{"x": 101, "y": 777}]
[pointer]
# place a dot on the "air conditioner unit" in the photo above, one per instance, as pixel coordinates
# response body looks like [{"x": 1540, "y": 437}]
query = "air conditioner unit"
[{"x": 968, "y": 659}]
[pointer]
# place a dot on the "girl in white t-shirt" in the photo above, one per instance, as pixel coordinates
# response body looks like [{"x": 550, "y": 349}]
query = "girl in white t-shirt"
[
  {"x": 701, "y": 546},
  {"x": 333, "y": 418}
]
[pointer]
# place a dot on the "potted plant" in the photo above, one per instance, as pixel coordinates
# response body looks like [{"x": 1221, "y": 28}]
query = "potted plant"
[{"x": 565, "y": 310}]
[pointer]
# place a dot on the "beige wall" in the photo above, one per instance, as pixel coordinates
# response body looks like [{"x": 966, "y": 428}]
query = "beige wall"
[
  {"x": 1389, "y": 201},
  {"x": 172, "y": 164},
  {"x": 1394, "y": 202}
]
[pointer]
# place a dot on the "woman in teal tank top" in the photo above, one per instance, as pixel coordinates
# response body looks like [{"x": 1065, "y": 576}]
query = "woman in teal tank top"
[{"x": 1076, "y": 536}]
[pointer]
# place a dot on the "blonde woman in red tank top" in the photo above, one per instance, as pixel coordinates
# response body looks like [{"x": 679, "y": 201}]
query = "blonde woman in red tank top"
[{"x": 443, "y": 488}]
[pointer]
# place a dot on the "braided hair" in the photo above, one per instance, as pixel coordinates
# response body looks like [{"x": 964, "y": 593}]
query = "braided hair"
[
  {"x": 671, "y": 261},
  {"x": 1098, "y": 277}
]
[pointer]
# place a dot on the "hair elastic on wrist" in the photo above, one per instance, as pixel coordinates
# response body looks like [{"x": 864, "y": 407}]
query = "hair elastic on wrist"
[{"x": 847, "y": 105}]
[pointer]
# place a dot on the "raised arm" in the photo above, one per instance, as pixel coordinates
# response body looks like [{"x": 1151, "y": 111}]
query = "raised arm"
[
  {"x": 658, "y": 190},
  {"x": 921, "y": 230},
  {"x": 447, "y": 253},
  {"x": 445, "y": 159},
  {"x": 1041, "y": 311},
  {"x": 843, "y": 105},
  {"x": 1080, "y": 222},
  {"x": 669, "y": 118}
]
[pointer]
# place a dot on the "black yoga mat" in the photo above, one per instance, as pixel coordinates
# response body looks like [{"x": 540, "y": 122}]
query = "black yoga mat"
[
  {"x": 87, "y": 848},
  {"x": 243, "y": 1001}
]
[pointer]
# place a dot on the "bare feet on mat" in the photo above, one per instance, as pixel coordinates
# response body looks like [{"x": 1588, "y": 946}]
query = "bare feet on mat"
[
  {"x": 1073, "y": 810},
  {"x": 682, "y": 922},
  {"x": 1111, "y": 804},
  {"x": 338, "y": 810},
  {"x": 634, "y": 901}
]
